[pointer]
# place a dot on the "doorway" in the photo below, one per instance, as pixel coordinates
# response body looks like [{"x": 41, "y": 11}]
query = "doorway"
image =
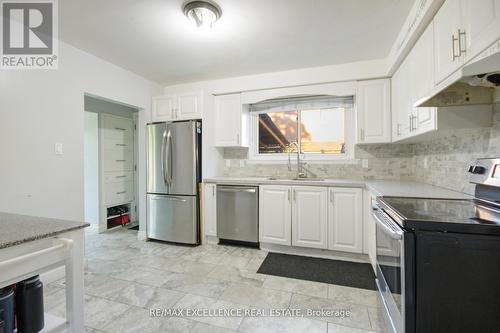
[{"x": 110, "y": 164}]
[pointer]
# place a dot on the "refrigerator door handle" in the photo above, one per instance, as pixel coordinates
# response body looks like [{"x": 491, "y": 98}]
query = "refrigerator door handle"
[
  {"x": 155, "y": 197},
  {"x": 170, "y": 158},
  {"x": 162, "y": 156}
]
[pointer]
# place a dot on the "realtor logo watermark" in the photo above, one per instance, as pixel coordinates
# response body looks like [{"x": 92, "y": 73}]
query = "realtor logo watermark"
[{"x": 29, "y": 34}]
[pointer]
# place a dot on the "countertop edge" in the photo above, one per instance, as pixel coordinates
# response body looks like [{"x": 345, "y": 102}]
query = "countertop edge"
[{"x": 41, "y": 236}]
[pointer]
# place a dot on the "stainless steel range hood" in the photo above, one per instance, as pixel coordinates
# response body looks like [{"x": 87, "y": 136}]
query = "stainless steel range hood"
[{"x": 473, "y": 84}]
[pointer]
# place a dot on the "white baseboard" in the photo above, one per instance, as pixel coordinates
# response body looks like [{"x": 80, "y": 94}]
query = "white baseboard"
[
  {"x": 211, "y": 240},
  {"x": 318, "y": 253}
]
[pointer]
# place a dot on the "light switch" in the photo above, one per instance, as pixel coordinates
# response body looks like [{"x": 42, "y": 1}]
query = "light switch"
[{"x": 58, "y": 148}]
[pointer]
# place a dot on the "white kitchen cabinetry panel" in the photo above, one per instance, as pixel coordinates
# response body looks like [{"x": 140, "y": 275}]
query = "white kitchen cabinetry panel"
[
  {"x": 118, "y": 160},
  {"x": 345, "y": 219},
  {"x": 230, "y": 121},
  {"x": 275, "y": 214},
  {"x": 447, "y": 24},
  {"x": 481, "y": 25},
  {"x": 183, "y": 106},
  {"x": 210, "y": 209},
  {"x": 163, "y": 108},
  {"x": 309, "y": 216},
  {"x": 421, "y": 59},
  {"x": 401, "y": 108},
  {"x": 118, "y": 193},
  {"x": 189, "y": 106},
  {"x": 373, "y": 105},
  {"x": 118, "y": 177}
]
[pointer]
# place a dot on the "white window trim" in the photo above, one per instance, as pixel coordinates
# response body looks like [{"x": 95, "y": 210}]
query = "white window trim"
[{"x": 348, "y": 156}]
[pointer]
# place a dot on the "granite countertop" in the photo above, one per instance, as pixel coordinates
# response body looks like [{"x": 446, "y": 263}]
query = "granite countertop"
[
  {"x": 17, "y": 229},
  {"x": 378, "y": 187}
]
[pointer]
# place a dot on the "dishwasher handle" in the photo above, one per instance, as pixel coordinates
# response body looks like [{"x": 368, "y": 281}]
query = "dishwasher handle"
[{"x": 236, "y": 189}]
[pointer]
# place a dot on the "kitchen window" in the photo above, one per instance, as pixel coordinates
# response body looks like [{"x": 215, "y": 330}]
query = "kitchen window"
[{"x": 318, "y": 127}]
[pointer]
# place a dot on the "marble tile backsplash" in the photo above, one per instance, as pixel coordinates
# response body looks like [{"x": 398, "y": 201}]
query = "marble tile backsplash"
[
  {"x": 444, "y": 161},
  {"x": 441, "y": 161}
]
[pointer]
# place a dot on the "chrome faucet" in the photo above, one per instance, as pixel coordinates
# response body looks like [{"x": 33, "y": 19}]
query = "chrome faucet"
[{"x": 300, "y": 165}]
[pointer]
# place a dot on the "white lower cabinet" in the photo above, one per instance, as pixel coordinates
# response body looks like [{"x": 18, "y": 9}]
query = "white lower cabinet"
[
  {"x": 345, "y": 219},
  {"x": 309, "y": 216},
  {"x": 275, "y": 222},
  {"x": 210, "y": 209},
  {"x": 312, "y": 216}
]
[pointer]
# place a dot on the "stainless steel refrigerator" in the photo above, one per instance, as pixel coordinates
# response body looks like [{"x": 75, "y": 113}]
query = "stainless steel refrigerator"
[{"x": 174, "y": 172}]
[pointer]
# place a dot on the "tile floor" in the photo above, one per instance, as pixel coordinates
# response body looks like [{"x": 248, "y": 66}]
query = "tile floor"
[{"x": 125, "y": 278}]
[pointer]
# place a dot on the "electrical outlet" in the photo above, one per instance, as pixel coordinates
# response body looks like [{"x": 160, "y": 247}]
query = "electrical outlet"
[{"x": 58, "y": 148}]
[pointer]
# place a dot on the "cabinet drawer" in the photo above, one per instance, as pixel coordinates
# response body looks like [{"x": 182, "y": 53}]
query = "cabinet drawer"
[
  {"x": 118, "y": 160},
  {"x": 117, "y": 133},
  {"x": 118, "y": 177},
  {"x": 118, "y": 144},
  {"x": 116, "y": 193}
]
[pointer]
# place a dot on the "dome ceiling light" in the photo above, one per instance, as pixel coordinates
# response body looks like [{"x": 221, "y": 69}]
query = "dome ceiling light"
[{"x": 202, "y": 13}]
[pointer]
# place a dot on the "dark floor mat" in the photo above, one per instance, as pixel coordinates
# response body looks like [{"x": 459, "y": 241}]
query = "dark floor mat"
[{"x": 344, "y": 273}]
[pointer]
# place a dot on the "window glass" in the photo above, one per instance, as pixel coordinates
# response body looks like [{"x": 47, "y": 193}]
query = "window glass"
[
  {"x": 322, "y": 131},
  {"x": 276, "y": 131}
]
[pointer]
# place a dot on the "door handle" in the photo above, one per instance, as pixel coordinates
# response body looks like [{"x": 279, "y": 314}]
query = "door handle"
[
  {"x": 170, "y": 158},
  {"x": 293, "y": 195},
  {"x": 120, "y": 129},
  {"x": 460, "y": 49},
  {"x": 331, "y": 197},
  {"x": 163, "y": 157},
  {"x": 168, "y": 198},
  {"x": 288, "y": 194},
  {"x": 120, "y": 145},
  {"x": 453, "y": 41},
  {"x": 121, "y": 192},
  {"x": 120, "y": 160},
  {"x": 120, "y": 176}
]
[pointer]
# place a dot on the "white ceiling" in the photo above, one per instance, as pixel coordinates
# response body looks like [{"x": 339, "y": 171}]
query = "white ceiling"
[{"x": 154, "y": 39}]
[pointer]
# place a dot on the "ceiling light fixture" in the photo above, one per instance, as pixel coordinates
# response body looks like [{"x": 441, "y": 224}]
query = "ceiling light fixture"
[{"x": 202, "y": 13}]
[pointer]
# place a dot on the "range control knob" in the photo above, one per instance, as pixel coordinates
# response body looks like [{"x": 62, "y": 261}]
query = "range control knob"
[
  {"x": 471, "y": 168},
  {"x": 479, "y": 170}
]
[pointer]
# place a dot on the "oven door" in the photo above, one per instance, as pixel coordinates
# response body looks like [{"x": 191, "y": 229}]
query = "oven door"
[{"x": 390, "y": 270}]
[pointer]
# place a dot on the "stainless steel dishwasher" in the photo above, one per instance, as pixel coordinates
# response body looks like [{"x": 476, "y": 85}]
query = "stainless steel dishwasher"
[{"x": 238, "y": 214}]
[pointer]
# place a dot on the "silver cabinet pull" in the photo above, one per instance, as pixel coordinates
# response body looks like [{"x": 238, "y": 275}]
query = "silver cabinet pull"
[
  {"x": 294, "y": 195},
  {"x": 120, "y": 145},
  {"x": 331, "y": 197},
  {"x": 120, "y": 160},
  {"x": 411, "y": 123},
  {"x": 362, "y": 134},
  {"x": 288, "y": 194},
  {"x": 122, "y": 192},
  {"x": 460, "y": 49},
  {"x": 120, "y": 129},
  {"x": 415, "y": 123},
  {"x": 237, "y": 139},
  {"x": 398, "y": 129},
  {"x": 121, "y": 176},
  {"x": 453, "y": 54}
]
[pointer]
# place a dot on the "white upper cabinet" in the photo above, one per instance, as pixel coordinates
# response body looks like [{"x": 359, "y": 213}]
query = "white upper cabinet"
[
  {"x": 401, "y": 102},
  {"x": 210, "y": 209},
  {"x": 275, "y": 214},
  {"x": 421, "y": 59},
  {"x": 309, "y": 216},
  {"x": 448, "y": 34},
  {"x": 345, "y": 219},
  {"x": 163, "y": 108},
  {"x": 230, "y": 121},
  {"x": 481, "y": 25},
  {"x": 182, "y": 106},
  {"x": 373, "y": 107}
]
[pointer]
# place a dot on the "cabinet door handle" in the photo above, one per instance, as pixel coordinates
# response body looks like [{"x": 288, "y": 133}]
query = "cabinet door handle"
[
  {"x": 362, "y": 134},
  {"x": 237, "y": 139},
  {"x": 453, "y": 54},
  {"x": 293, "y": 195},
  {"x": 121, "y": 176},
  {"x": 398, "y": 129},
  {"x": 120, "y": 160},
  {"x": 122, "y": 192},
  {"x": 415, "y": 123},
  {"x": 120, "y": 145},
  {"x": 460, "y": 49},
  {"x": 120, "y": 129},
  {"x": 331, "y": 197},
  {"x": 213, "y": 191},
  {"x": 288, "y": 194},
  {"x": 411, "y": 123}
]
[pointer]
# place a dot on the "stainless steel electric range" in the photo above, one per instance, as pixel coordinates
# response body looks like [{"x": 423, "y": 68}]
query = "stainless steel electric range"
[{"x": 438, "y": 260}]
